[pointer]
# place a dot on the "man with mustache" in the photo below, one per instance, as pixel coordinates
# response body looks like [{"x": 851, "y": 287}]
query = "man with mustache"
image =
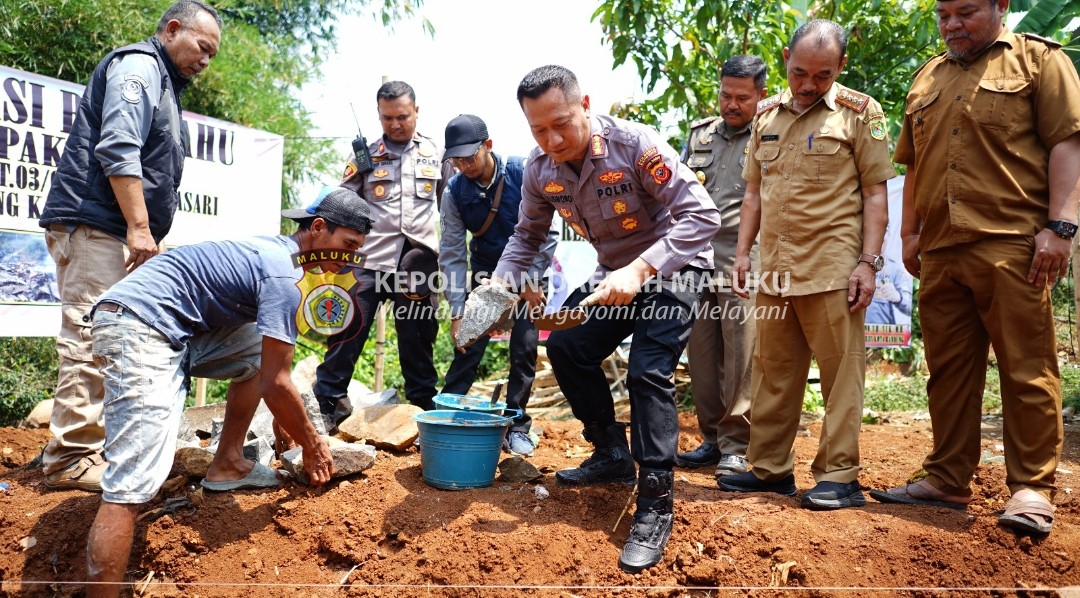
[
  {"x": 991, "y": 139},
  {"x": 111, "y": 202},
  {"x": 815, "y": 188},
  {"x": 720, "y": 347},
  {"x": 403, "y": 190}
]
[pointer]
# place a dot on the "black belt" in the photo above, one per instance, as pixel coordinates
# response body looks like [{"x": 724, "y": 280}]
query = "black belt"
[{"x": 109, "y": 306}]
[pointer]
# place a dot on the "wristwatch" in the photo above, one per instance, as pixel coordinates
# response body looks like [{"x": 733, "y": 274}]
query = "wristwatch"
[
  {"x": 877, "y": 262},
  {"x": 1062, "y": 228}
]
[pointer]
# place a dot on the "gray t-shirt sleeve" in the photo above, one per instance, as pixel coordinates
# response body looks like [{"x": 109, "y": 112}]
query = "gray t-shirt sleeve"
[
  {"x": 132, "y": 94},
  {"x": 279, "y": 301},
  {"x": 453, "y": 254}
]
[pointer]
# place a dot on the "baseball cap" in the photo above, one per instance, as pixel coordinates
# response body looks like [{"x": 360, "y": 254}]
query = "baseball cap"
[
  {"x": 464, "y": 134},
  {"x": 339, "y": 206}
]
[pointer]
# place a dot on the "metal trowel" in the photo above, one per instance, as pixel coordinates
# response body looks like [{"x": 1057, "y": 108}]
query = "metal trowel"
[{"x": 567, "y": 317}]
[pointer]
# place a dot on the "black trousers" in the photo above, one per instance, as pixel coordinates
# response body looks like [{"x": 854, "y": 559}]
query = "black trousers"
[
  {"x": 659, "y": 318},
  {"x": 524, "y": 339},
  {"x": 416, "y": 325}
]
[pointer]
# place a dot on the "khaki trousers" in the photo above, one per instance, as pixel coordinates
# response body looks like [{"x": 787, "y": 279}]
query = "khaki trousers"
[
  {"x": 720, "y": 349},
  {"x": 973, "y": 296},
  {"x": 790, "y": 329},
  {"x": 88, "y": 262}
]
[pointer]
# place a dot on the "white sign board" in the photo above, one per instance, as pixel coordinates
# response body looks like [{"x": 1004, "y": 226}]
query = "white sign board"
[{"x": 231, "y": 189}]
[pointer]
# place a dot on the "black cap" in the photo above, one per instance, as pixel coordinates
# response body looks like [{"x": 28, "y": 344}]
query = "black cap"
[
  {"x": 339, "y": 206},
  {"x": 464, "y": 134}
]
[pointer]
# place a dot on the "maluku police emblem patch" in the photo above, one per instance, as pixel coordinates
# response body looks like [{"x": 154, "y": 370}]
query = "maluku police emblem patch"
[{"x": 326, "y": 305}]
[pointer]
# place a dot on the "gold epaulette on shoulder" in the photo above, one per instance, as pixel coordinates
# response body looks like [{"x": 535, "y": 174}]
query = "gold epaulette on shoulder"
[
  {"x": 852, "y": 99},
  {"x": 769, "y": 103},
  {"x": 702, "y": 122},
  {"x": 1045, "y": 40}
]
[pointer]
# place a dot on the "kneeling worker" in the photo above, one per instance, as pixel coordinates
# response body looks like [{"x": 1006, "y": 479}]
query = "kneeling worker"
[{"x": 226, "y": 310}]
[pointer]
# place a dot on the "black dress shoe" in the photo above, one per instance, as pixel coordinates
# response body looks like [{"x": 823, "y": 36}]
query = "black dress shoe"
[
  {"x": 706, "y": 454},
  {"x": 833, "y": 495},
  {"x": 748, "y": 482}
]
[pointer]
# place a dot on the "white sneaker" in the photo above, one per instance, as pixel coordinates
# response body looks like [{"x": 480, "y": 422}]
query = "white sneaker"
[{"x": 518, "y": 443}]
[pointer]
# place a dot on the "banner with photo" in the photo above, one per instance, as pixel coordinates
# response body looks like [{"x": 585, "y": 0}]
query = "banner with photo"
[
  {"x": 888, "y": 319},
  {"x": 231, "y": 189}
]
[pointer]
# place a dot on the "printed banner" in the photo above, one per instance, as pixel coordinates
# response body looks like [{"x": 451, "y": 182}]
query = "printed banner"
[
  {"x": 888, "y": 319},
  {"x": 231, "y": 189}
]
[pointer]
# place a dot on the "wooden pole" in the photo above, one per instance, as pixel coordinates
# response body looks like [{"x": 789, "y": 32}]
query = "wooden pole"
[
  {"x": 200, "y": 392},
  {"x": 380, "y": 329},
  {"x": 380, "y": 345}
]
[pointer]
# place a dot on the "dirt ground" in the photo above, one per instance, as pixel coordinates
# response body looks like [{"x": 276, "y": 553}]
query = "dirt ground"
[{"x": 386, "y": 533}]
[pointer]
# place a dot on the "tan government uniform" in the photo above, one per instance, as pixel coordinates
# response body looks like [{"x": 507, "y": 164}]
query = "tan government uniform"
[
  {"x": 977, "y": 139},
  {"x": 722, "y": 339},
  {"x": 811, "y": 168}
]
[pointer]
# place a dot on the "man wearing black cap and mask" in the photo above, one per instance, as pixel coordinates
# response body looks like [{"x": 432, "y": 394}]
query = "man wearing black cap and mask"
[
  {"x": 401, "y": 254},
  {"x": 228, "y": 310},
  {"x": 483, "y": 199}
]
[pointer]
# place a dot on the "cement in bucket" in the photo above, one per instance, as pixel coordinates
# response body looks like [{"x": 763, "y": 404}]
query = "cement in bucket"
[
  {"x": 468, "y": 403},
  {"x": 460, "y": 449}
]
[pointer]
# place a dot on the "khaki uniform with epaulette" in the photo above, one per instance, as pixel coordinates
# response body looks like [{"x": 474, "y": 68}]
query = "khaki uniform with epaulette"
[
  {"x": 722, "y": 340},
  {"x": 811, "y": 169},
  {"x": 977, "y": 138}
]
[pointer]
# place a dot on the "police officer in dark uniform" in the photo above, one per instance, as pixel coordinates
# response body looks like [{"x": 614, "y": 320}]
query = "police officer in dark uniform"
[{"x": 622, "y": 187}]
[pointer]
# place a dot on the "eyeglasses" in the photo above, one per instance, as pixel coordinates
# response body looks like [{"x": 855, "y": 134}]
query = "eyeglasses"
[{"x": 469, "y": 160}]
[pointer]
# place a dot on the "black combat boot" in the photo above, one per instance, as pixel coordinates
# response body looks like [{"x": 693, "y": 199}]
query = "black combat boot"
[
  {"x": 651, "y": 529},
  {"x": 610, "y": 462}
]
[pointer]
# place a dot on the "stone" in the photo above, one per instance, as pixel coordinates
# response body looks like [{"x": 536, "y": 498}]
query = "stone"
[
  {"x": 192, "y": 462},
  {"x": 40, "y": 415},
  {"x": 259, "y": 450},
  {"x": 262, "y": 426},
  {"x": 197, "y": 422},
  {"x": 516, "y": 469},
  {"x": 320, "y": 421},
  {"x": 303, "y": 375},
  {"x": 370, "y": 399},
  {"x": 488, "y": 308},
  {"x": 384, "y": 426},
  {"x": 349, "y": 459},
  {"x": 541, "y": 493},
  {"x": 216, "y": 426}
]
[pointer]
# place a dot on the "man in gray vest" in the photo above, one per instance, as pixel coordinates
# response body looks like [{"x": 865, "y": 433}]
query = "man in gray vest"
[
  {"x": 722, "y": 340},
  {"x": 111, "y": 202}
]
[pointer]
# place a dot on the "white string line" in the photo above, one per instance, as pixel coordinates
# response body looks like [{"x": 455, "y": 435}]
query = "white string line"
[{"x": 204, "y": 584}]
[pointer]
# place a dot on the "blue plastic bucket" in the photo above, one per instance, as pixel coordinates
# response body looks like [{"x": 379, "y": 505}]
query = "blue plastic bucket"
[
  {"x": 472, "y": 403},
  {"x": 460, "y": 449}
]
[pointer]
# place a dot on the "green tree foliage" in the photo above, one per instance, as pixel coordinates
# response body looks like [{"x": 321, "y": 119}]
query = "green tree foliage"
[
  {"x": 678, "y": 47},
  {"x": 269, "y": 49},
  {"x": 27, "y": 376},
  {"x": 1049, "y": 18}
]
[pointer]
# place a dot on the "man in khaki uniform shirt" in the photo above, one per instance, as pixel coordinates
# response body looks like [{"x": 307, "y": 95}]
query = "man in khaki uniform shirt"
[
  {"x": 722, "y": 338},
  {"x": 991, "y": 141},
  {"x": 816, "y": 189},
  {"x": 403, "y": 191}
]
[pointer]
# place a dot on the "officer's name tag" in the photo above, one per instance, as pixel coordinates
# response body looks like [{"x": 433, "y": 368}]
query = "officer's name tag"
[{"x": 770, "y": 138}]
